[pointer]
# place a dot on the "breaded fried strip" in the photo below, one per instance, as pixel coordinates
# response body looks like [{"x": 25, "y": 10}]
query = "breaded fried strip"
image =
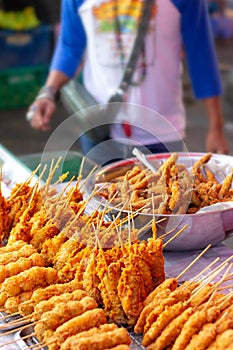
[
  {"x": 12, "y": 256},
  {"x": 139, "y": 327},
  {"x": 202, "y": 339},
  {"x": 22, "y": 264},
  {"x": 223, "y": 341},
  {"x": 170, "y": 283},
  {"x": 171, "y": 332},
  {"x": 162, "y": 321},
  {"x": 97, "y": 341},
  {"x": 28, "y": 280},
  {"x": 65, "y": 311},
  {"x": 84, "y": 322},
  {"x": 194, "y": 325},
  {"x": 47, "y": 305},
  {"x": 176, "y": 296}
]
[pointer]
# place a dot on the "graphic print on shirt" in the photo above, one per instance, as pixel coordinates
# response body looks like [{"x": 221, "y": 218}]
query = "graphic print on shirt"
[{"x": 116, "y": 24}]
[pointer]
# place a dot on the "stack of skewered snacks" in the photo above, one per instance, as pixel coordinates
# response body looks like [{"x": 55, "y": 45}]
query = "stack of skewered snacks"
[
  {"x": 194, "y": 315},
  {"x": 173, "y": 189}
]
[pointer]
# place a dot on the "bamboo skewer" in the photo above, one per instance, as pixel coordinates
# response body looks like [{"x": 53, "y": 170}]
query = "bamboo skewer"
[
  {"x": 175, "y": 235},
  {"x": 193, "y": 262}
]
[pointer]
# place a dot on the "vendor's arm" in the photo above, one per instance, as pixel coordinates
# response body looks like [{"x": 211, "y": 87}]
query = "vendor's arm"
[
  {"x": 66, "y": 59},
  {"x": 215, "y": 141},
  {"x": 203, "y": 68}
]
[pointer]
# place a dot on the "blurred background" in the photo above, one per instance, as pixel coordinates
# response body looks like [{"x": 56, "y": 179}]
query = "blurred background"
[{"x": 28, "y": 32}]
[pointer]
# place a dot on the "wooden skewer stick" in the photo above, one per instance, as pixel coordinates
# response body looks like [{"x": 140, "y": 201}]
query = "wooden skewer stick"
[
  {"x": 21, "y": 338},
  {"x": 19, "y": 329},
  {"x": 175, "y": 235},
  {"x": 202, "y": 285},
  {"x": 216, "y": 268},
  {"x": 19, "y": 321},
  {"x": 217, "y": 285},
  {"x": 227, "y": 286},
  {"x": 195, "y": 278},
  {"x": 193, "y": 262}
]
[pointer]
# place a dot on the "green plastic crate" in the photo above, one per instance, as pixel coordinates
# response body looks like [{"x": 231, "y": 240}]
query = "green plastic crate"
[
  {"x": 19, "y": 86},
  {"x": 70, "y": 162}
]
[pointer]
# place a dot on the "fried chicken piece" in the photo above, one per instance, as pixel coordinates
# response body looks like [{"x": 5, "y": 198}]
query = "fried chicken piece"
[
  {"x": 28, "y": 280},
  {"x": 131, "y": 288},
  {"x": 223, "y": 341},
  {"x": 162, "y": 321},
  {"x": 67, "y": 251},
  {"x": 153, "y": 256},
  {"x": 54, "y": 290},
  {"x": 51, "y": 246},
  {"x": 22, "y": 229},
  {"x": 149, "y": 308},
  {"x": 109, "y": 276},
  {"x": 171, "y": 332},
  {"x": 194, "y": 325},
  {"x": 48, "y": 231},
  {"x": 16, "y": 204},
  {"x": 75, "y": 266},
  {"x": 178, "y": 295},
  {"x": 12, "y": 304},
  {"x": 203, "y": 338},
  {"x": 84, "y": 322},
  {"x": 48, "y": 305},
  {"x": 170, "y": 283},
  {"x": 12, "y": 247},
  {"x": 12, "y": 256},
  {"x": 22, "y": 264},
  {"x": 93, "y": 332},
  {"x": 227, "y": 183},
  {"x": 91, "y": 280},
  {"x": 98, "y": 341},
  {"x": 65, "y": 311}
]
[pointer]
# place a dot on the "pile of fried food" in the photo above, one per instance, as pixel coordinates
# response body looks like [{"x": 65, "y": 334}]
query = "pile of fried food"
[
  {"x": 190, "y": 316},
  {"x": 73, "y": 276},
  {"x": 77, "y": 279},
  {"x": 172, "y": 189}
]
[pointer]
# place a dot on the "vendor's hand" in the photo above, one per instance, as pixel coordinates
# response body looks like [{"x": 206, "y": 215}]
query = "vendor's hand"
[
  {"x": 40, "y": 114},
  {"x": 216, "y": 142}
]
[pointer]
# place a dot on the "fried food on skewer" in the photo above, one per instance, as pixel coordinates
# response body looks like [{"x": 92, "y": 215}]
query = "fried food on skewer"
[
  {"x": 12, "y": 247},
  {"x": 19, "y": 304},
  {"x": 28, "y": 280},
  {"x": 178, "y": 295},
  {"x": 98, "y": 341},
  {"x": 109, "y": 278},
  {"x": 12, "y": 256},
  {"x": 22, "y": 264},
  {"x": 46, "y": 293},
  {"x": 65, "y": 311},
  {"x": 169, "y": 314},
  {"x": 148, "y": 309},
  {"x": 169, "y": 283},
  {"x": 84, "y": 322},
  {"x": 62, "y": 313},
  {"x": 93, "y": 332},
  {"x": 223, "y": 341},
  {"x": 171, "y": 331},
  {"x": 48, "y": 305},
  {"x": 194, "y": 324}
]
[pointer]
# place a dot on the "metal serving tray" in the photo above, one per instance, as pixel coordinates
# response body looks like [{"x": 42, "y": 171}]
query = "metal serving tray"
[{"x": 203, "y": 228}]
